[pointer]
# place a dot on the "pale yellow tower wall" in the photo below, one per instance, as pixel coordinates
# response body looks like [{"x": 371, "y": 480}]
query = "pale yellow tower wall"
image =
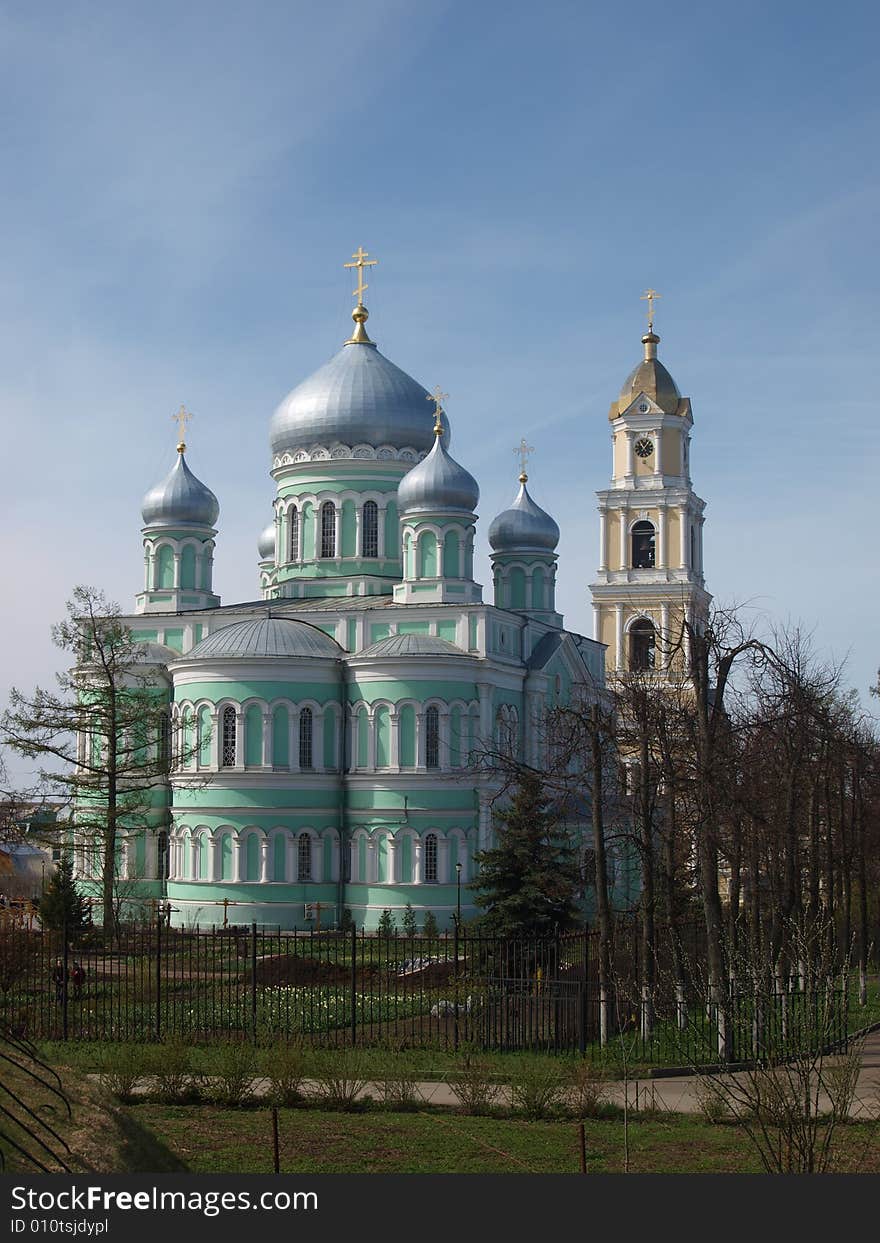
[
  {"x": 619, "y": 455},
  {"x": 606, "y": 630},
  {"x": 671, "y": 451},
  {"x": 644, "y": 465},
  {"x": 673, "y": 538}
]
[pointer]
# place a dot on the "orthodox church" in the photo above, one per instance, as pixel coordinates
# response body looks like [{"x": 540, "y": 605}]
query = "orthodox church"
[{"x": 323, "y": 731}]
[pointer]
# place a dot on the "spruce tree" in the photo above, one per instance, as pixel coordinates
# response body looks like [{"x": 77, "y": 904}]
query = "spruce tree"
[
  {"x": 528, "y": 882},
  {"x": 62, "y": 905},
  {"x": 386, "y": 927},
  {"x": 408, "y": 921}
]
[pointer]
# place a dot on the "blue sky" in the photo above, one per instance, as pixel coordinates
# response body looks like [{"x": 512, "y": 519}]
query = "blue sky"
[{"x": 183, "y": 182}]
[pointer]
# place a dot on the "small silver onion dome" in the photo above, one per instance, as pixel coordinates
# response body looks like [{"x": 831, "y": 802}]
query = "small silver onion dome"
[
  {"x": 266, "y": 636},
  {"x": 525, "y": 527},
  {"x": 652, "y": 378},
  {"x": 266, "y": 542},
  {"x": 437, "y": 483},
  {"x": 358, "y": 397},
  {"x": 180, "y": 500}
]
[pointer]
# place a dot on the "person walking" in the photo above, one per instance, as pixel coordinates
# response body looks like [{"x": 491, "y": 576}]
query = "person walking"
[
  {"x": 78, "y": 978},
  {"x": 58, "y": 980}
]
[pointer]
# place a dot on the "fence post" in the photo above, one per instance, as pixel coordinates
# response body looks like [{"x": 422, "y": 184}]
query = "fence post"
[
  {"x": 64, "y": 982},
  {"x": 582, "y": 1033},
  {"x": 455, "y": 1000},
  {"x": 158, "y": 971},
  {"x": 354, "y": 946},
  {"x": 254, "y": 981}
]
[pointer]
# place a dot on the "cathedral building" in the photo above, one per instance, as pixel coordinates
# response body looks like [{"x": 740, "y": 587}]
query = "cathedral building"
[{"x": 324, "y": 730}]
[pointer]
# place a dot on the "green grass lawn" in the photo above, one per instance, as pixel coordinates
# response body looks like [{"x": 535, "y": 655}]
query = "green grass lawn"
[{"x": 212, "y": 1140}]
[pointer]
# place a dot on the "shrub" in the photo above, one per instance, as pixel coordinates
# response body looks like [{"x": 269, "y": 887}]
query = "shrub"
[
  {"x": 340, "y": 1076},
  {"x": 284, "y": 1066},
  {"x": 586, "y": 1091},
  {"x": 471, "y": 1083},
  {"x": 711, "y": 1103},
  {"x": 537, "y": 1087},
  {"x": 121, "y": 1066},
  {"x": 429, "y": 926},
  {"x": 386, "y": 926},
  {"x": 408, "y": 921},
  {"x": 399, "y": 1079},
  {"x": 174, "y": 1080},
  {"x": 233, "y": 1067}
]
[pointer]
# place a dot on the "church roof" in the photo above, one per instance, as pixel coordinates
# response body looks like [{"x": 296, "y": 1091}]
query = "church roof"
[
  {"x": 412, "y": 645},
  {"x": 651, "y": 378},
  {"x": 180, "y": 500},
  {"x": 438, "y": 483},
  {"x": 358, "y": 397},
  {"x": 266, "y": 636},
  {"x": 524, "y": 527}
]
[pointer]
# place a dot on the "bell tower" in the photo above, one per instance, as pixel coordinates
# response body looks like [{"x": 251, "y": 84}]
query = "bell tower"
[{"x": 650, "y": 575}]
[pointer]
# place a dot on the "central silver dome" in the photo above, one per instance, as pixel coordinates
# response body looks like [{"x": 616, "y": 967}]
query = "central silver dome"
[{"x": 358, "y": 397}]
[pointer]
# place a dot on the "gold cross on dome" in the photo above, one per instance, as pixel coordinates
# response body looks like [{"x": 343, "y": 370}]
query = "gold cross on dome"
[
  {"x": 438, "y": 397},
  {"x": 650, "y": 296},
  {"x": 360, "y": 262},
  {"x": 182, "y": 417},
  {"x": 524, "y": 451}
]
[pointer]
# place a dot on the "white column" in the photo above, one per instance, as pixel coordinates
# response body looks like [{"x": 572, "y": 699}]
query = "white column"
[
  {"x": 484, "y": 828},
  {"x": 380, "y": 541},
  {"x": 293, "y": 745},
  {"x": 630, "y": 460},
  {"x": 239, "y": 737},
  {"x": 213, "y": 868},
  {"x": 215, "y": 740},
  {"x": 334, "y": 859},
  {"x": 661, "y": 538},
  {"x": 699, "y": 565},
  {"x": 290, "y": 860},
  {"x": 444, "y": 732},
  {"x": 442, "y": 859},
  {"x": 464, "y": 858},
  {"x": 603, "y": 538},
  {"x": 151, "y": 855},
  {"x": 596, "y": 622},
  {"x": 353, "y": 859},
  {"x": 624, "y": 559},
  {"x": 354, "y": 721},
  {"x": 267, "y": 739},
  {"x": 421, "y": 740},
  {"x": 318, "y": 739},
  {"x": 193, "y": 859},
  {"x": 317, "y": 859},
  {"x": 658, "y": 451},
  {"x": 371, "y": 742},
  {"x": 417, "y": 861},
  {"x": 394, "y": 725},
  {"x": 618, "y": 636},
  {"x": 337, "y": 545},
  {"x": 237, "y": 860},
  {"x": 177, "y": 569},
  {"x": 485, "y": 693},
  {"x": 358, "y": 516},
  {"x": 372, "y": 861},
  {"x": 391, "y": 859},
  {"x": 264, "y": 861},
  {"x": 683, "y": 535},
  {"x": 666, "y": 638}
]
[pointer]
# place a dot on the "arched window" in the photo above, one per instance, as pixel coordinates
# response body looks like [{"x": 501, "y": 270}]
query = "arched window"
[
  {"x": 328, "y": 529},
  {"x": 227, "y": 755},
  {"x": 163, "y": 743},
  {"x": 430, "y": 858},
  {"x": 642, "y": 537},
  {"x": 293, "y": 534},
  {"x": 642, "y": 644},
  {"x": 304, "y": 856},
  {"x": 370, "y": 530},
  {"x": 432, "y": 738},
  {"x": 305, "y": 738}
]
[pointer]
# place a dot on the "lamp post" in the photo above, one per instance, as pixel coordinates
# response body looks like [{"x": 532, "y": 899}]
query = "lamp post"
[{"x": 458, "y": 894}]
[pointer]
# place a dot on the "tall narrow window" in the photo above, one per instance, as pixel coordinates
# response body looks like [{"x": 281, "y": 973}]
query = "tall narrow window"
[
  {"x": 163, "y": 743},
  {"x": 642, "y": 645},
  {"x": 293, "y": 537},
  {"x": 162, "y": 872},
  {"x": 370, "y": 530},
  {"x": 328, "y": 529},
  {"x": 304, "y": 856},
  {"x": 643, "y": 546},
  {"x": 430, "y": 857},
  {"x": 227, "y": 758},
  {"x": 305, "y": 738},
  {"x": 432, "y": 738}
]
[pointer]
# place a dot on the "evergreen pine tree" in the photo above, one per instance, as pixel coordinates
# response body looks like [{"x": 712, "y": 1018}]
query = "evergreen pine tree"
[
  {"x": 408, "y": 921},
  {"x": 62, "y": 905},
  {"x": 386, "y": 927},
  {"x": 430, "y": 929},
  {"x": 528, "y": 882}
]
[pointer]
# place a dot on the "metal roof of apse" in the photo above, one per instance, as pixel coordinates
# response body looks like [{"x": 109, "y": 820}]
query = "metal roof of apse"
[
  {"x": 412, "y": 645},
  {"x": 266, "y": 636},
  {"x": 358, "y": 397}
]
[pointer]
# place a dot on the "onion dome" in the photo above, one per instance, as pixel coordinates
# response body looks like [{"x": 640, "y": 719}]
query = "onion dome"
[
  {"x": 525, "y": 527},
  {"x": 266, "y": 542},
  {"x": 651, "y": 378},
  {"x": 266, "y": 636},
  {"x": 437, "y": 483},
  {"x": 358, "y": 397},
  {"x": 397, "y": 645},
  {"x": 180, "y": 500}
]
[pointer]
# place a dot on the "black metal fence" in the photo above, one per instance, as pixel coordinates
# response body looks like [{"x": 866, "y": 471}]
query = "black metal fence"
[{"x": 251, "y": 983}]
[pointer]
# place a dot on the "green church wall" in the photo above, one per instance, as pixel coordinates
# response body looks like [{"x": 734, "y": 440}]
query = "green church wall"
[
  {"x": 330, "y": 757},
  {"x": 174, "y": 639},
  {"x": 322, "y": 693},
  {"x": 369, "y": 692},
  {"x": 473, "y": 624},
  {"x": 145, "y": 636},
  {"x": 348, "y": 534},
  {"x": 447, "y": 630},
  {"x": 188, "y": 568},
  {"x": 406, "y": 730},
  {"x": 204, "y": 736},
  {"x": 253, "y": 736},
  {"x": 165, "y": 567},
  {"x": 427, "y": 555},
  {"x": 351, "y": 634},
  {"x": 262, "y": 799},
  {"x": 392, "y": 528},
  {"x": 379, "y": 630},
  {"x": 281, "y": 737},
  {"x": 307, "y": 531},
  {"x": 382, "y": 724},
  {"x": 414, "y": 627},
  {"x": 450, "y": 555}
]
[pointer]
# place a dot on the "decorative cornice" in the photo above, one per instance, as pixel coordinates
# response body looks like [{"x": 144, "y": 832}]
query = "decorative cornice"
[{"x": 340, "y": 452}]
